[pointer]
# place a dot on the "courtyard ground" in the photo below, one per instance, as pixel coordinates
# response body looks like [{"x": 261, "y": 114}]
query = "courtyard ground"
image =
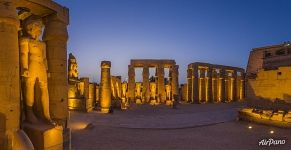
[{"x": 190, "y": 126}]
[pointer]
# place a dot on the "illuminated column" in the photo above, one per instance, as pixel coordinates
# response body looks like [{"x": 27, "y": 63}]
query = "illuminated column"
[
  {"x": 243, "y": 83},
  {"x": 209, "y": 85},
  {"x": 202, "y": 86},
  {"x": 161, "y": 83},
  {"x": 131, "y": 83},
  {"x": 195, "y": 84},
  {"x": 56, "y": 36},
  {"x": 234, "y": 86},
  {"x": 85, "y": 80},
  {"x": 189, "y": 84},
  {"x": 146, "y": 84},
  {"x": 9, "y": 72},
  {"x": 215, "y": 86},
  {"x": 174, "y": 80},
  {"x": 105, "y": 100},
  {"x": 222, "y": 85}
]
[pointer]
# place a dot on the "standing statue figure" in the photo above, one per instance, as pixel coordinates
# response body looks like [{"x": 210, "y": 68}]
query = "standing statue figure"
[
  {"x": 168, "y": 92},
  {"x": 34, "y": 67}
]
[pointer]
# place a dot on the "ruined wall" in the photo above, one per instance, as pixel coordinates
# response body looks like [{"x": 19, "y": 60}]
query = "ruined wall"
[
  {"x": 271, "y": 89},
  {"x": 255, "y": 62}
]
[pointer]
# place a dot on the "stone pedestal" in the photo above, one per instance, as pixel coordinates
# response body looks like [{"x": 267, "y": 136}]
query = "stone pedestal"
[
  {"x": 105, "y": 100},
  {"x": 44, "y": 137}
]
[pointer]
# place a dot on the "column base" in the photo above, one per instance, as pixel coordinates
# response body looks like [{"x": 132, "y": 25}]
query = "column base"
[
  {"x": 169, "y": 102},
  {"x": 138, "y": 101},
  {"x": 104, "y": 110}
]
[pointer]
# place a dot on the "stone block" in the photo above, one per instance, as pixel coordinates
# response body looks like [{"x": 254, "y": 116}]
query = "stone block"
[
  {"x": 287, "y": 117},
  {"x": 277, "y": 116},
  {"x": 44, "y": 137}
]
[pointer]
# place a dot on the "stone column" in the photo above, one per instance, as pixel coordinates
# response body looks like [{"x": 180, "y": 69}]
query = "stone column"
[
  {"x": 131, "y": 83},
  {"x": 9, "y": 72},
  {"x": 85, "y": 80},
  {"x": 105, "y": 100},
  {"x": 56, "y": 36},
  {"x": 146, "y": 84},
  {"x": 161, "y": 83},
  {"x": 234, "y": 86},
  {"x": 175, "y": 80},
  {"x": 209, "y": 85},
  {"x": 243, "y": 84},
  {"x": 195, "y": 84},
  {"x": 189, "y": 84},
  {"x": 215, "y": 86},
  {"x": 222, "y": 85},
  {"x": 202, "y": 85}
]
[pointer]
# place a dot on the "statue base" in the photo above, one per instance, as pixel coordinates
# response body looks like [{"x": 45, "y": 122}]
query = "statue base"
[
  {"x": 153, "y": 102},
  {"x": 104, "y": 110},
  {"x": 138, "y": 101},
  {"x": 169, "y": 102},
  {"x": 44, "y": 137}
]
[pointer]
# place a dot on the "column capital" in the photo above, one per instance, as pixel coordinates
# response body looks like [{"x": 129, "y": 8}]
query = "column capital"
[{"x": 105, "y": 64}]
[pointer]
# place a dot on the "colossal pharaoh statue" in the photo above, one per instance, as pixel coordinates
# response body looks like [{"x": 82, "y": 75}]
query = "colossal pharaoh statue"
[{"x": 34, "y": 68}]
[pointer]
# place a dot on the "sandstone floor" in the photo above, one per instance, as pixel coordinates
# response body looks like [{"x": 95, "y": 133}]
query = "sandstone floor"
[{"x": 190, "y": 126}]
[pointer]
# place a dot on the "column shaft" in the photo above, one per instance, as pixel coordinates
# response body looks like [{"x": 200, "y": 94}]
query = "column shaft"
[
  {"x": 56, "y": 36},
  {"x": 234, "y": 86},
  {"x": 105, "y": 101},
  {"x": 161, "y": 84},
  {"x": 195, "y": 84},
  {"x": 9, "y": 72},
  {"x": 146, "y": 84},
  {"x": 189, "y": 85},
  {"x": 202, "y": 85},
  {"x": 131, "y": 83},
  {"x": 175, "y": 81},
  {"x": 222, "y": 85},
  {"x": 209, "y": 85}
]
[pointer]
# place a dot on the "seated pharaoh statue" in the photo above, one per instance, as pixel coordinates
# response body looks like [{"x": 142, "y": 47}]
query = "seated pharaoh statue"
[
  {"x": 73, "y": 67},
  {"x": 34, "y": 70}
]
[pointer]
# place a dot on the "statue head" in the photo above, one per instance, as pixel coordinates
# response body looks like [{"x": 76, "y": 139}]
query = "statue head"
[
  {"x": 33, "y": 26},
  {"x": 73, "y": 67}
]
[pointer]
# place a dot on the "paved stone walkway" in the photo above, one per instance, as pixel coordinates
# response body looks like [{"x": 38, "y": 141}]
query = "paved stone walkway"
[{"x": 191, "y": 126}]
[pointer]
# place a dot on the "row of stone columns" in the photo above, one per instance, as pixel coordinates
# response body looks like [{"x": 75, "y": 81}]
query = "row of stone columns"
[
  {"x": 215, "y": 86},
  {"x": 160, "y": 74}
]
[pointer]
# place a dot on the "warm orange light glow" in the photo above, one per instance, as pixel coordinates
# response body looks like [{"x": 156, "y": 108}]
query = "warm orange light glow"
[
  {"x": 272, "y": 132},
  {"x": 250, "y": 127}
]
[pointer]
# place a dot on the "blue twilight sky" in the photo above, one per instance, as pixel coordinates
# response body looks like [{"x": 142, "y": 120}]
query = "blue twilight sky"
[{"x": 214, "y": 31}]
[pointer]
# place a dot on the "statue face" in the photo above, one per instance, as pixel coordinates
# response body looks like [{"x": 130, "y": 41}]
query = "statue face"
[{"x": 34, "y": 29}]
